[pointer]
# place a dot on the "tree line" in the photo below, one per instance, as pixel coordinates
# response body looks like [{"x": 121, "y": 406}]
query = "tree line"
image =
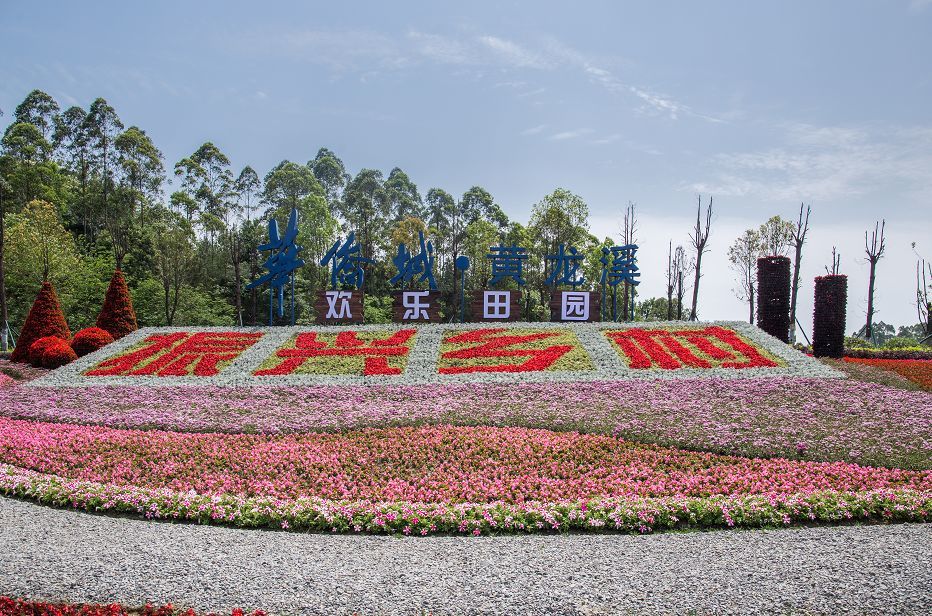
[{"x": 82, "y": 194}]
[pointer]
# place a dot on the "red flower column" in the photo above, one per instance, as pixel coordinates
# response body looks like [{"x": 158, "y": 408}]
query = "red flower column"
[
  {"x": 773, "y": 296},
  {"x": 45, "y": 318},
  {"x": 828, "y": 317},
  {"x": 117, "y": 315}
]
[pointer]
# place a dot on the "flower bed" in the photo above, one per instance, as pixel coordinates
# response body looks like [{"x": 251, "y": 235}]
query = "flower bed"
[
  {"x": 693, "y": 347},
  {"x": 439, "y": 464},
  {"x": 178, "y": 354},
  {"x": 367, "y": 353},
  {"x": 621, "y": 514},
  {"x": 919, "y": 353},
  {"x": 817, "y": 419},
  {"x": 918, "y": 371},
  {"x": 10, "y": 606},
  {"x": 436, "y": 354},
  {"x": 438, "y": 470},
  {"x": 511, "y": 350},
  {"x": 467, "y": 429}
]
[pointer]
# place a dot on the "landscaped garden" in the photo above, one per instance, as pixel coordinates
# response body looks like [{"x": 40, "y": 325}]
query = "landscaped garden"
[{"x": 469, "y": 429}]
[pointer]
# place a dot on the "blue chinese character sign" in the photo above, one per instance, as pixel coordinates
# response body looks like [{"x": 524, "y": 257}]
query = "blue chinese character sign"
[
  {"x": 410, "y": 266},
  {"x": 507, "y": 262},
  {"x": 347, "y": 263},
  {"x": 564, "y": 267},
  {"x": 621, "y": 267},
  {"x": 281, "y": 265}
]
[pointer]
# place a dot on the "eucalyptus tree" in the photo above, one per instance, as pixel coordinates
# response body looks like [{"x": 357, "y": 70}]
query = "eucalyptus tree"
[
  {"x": 40, "y": 110},
  {"x": 440, "y": 207},
  {"x": 365, "y": 209},
  {"x": 25, "y": 153},
  {"x": 331, "y": 173},
  {"x": 72, "y": 143},
  {"x": 288, "y": 184},
  {"x": 402, "y": 195},
  {"x": 142, "y": 171},
  {"x": 559, "y": 218},
  {"x": 207, "y": 179},
  {"x": 102, "y": 125},
  {"x": 247, "y": 186}
]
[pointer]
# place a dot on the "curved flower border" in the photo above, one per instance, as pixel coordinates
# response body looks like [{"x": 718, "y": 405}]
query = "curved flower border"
[
  {"x": 620, "y": 514},
  {"x": 423, "y": 357}
]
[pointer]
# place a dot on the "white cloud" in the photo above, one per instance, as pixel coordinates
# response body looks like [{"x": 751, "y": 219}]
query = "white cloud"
[
  {"x": 513, "y": 54},
  {"x": 369, "y": 52},
  {"x": 570, "y": 134},
  {"x": 441, "y": 49},
  {"x": 827, "y": 163},
  {"x": 534, "y": 130},
  {"x": 607, "y": 139}
]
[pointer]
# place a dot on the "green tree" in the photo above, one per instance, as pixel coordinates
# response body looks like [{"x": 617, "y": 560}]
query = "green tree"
[
  {"x": 207, "y": 180},
  {"x": 559, "y": 218},
  {"x": 140, "y": 163},
  {"x": 40, "y": 110},
  {"x": 102, "y": 125},
  {"x": 174, "y": 261},
  {"x": 365, "y": 209},
  {"x": 743, "y": 255},
  {"x": 402, "y": 195},
  {"x": 776, "y": 236},
  {"x": 247, "y": 186},
  {"x": 480, "y": 235},
  {"x": 331, "y": 173},
  {"x": 288, "y": 184},
  {"x": 40, "y": 248}
]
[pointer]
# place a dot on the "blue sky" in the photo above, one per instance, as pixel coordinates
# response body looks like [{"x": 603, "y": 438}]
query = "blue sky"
[{"x": 762, "y": 105}]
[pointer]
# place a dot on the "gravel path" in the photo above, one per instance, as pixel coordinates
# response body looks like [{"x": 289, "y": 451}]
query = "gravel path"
[{"x": 65, "y": 555}]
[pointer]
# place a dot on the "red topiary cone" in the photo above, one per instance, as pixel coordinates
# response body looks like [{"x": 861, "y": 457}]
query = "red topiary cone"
[
  {"x": 117, "y": 315},
  {"x": 45, "y": 318}
]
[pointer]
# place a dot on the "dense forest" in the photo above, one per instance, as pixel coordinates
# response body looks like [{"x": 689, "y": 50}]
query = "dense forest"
[{"x": 83, "y": 194}]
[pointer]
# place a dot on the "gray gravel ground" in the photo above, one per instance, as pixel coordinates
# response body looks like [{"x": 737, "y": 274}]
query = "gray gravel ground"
[{"x": 64, "y": 555}]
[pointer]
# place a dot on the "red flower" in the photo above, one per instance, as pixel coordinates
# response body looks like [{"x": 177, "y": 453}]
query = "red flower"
[
  {"x": 173, "y": 354},
  {"x": 57, "y": 354},
  {"x": 37, "y": 348},
  {"x": 488, "y": 344},
  {"x": 662, "y": 348},
  {"x": 89, "y": 340}
]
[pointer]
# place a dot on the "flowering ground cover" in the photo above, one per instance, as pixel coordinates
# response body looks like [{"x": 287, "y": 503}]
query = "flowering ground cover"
[
  {"x": 367, "y": 353},
  {"x": 435, "y": 464},
  {"x": 10, "y": 606},
  {"x": 671, "y": 348},
  {"x": 918, "y": 371},
  {"x": 467, "y": 429},
  {"x": 814, "y": 419},
  {"x": 177, "y": 354},
  {"x": 511, "y": 350},
  {"x": 439, "y": 479},
  {"x": 436, "y": 354}
]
